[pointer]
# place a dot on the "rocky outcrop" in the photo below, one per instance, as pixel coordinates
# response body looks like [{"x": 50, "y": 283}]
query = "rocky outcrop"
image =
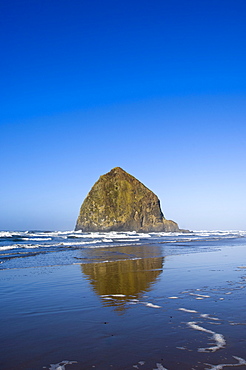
[{"x": 119, "y": 202}]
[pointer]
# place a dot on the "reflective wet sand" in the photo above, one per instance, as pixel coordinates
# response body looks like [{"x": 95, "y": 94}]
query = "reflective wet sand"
[{"x": 132, "y": 308}]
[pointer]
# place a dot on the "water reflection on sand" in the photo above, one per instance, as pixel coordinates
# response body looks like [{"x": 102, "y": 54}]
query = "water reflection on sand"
[{"x": 126, "y": 275}]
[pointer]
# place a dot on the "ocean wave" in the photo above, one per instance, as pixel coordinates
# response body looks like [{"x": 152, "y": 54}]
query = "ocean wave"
[
  {"x": 78, "y": 243},
  {"x": 220, "y": 232},
  {"x": 109, "y": 235},
  {"x": 36, "y": 239},
  {"x": 172, "y": 243},
  {"x": 20, "y": 246},
  {"x": 8, "y": 247},
  {"x": 122, "y": 234}
]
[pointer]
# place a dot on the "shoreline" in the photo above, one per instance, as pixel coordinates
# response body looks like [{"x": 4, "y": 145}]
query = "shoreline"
[
  {"x": 166, "y": 310},
  {"x": 175, "y": 303}
]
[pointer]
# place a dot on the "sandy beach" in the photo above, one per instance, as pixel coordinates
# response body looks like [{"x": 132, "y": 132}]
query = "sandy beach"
[{"x": 147, "y": 311}]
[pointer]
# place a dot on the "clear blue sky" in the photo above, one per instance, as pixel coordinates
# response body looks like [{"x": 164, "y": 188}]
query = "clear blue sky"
[{"x": 155, "y": 87}]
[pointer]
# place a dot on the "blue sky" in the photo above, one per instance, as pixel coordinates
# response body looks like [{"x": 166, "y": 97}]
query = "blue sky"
[{"x": 157, "y": 88}]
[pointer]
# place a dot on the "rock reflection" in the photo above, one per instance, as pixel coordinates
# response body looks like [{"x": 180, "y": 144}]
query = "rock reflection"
[{"x": 119, "y": 282}]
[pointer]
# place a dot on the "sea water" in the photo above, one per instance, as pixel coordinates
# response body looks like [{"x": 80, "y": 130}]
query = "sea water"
[
  {"x": 74, "y": 300},
  {"x": 22, "y": 249}
]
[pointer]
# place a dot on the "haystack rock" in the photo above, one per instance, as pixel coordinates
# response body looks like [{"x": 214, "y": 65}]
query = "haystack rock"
[{"x": 119, "y": 202}]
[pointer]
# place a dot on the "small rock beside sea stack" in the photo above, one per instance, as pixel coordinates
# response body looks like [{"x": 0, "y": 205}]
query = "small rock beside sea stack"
[{"x": 119, "y": 202}]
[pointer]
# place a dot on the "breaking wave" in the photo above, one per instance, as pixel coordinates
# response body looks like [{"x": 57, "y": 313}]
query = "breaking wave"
[{"x": 13, "y": 244}]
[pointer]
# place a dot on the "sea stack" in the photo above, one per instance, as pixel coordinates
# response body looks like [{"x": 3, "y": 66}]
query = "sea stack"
[{"x": 120, "y": 202}]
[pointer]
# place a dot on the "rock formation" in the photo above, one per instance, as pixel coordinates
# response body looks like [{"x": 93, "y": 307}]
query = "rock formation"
[{"x": 119, "y": 202}]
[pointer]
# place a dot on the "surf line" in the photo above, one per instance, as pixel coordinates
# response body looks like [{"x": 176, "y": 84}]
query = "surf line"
[
  {"x": 240, "y": 360},
  {"x": 218, "y": 338}
]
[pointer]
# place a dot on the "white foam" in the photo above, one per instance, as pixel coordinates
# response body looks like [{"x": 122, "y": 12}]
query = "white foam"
[
  {"x": 61, "y": 365},
  {"x": 109, "y": 235},
  {"x": 48, "y": 234},
  {"x": 147, "y": 304},
  {"x": 220, "y": 232},
  {"x": 237, "y": 323},
  {"x": 24, "y": 246},
  {"x": 200, "y": 295},
  {"x": 193, "y": 325},
  {"x": 112, "y": 295},
  {"x": 107, "y": 297},
  {"x": 77, "y": 243},
  {"x": 160, "y": 367},
  {"x": 220, "y": 343},
  {"x": 7, "y": 234},
  {"x": 186, "y": 310},
  {"x": 174, "y": 297},
  {"x": 8, "y": 247},
  {"x": 117, "y": 295},
  {"x": 37, "y": 239},
  {"x": 218, "y": 338},
  {"x": 206, "y": 316},
  {"x": 240, "y": 360},
  {"x": 29, "y": 246}
]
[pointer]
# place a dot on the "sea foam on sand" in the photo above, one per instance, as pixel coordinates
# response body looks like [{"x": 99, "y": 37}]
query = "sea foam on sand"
[
  {"x": 240, "y": 360},
  {"x": 218, "y": 338}
]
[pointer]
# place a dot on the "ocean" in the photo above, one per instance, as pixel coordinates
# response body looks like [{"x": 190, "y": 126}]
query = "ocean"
[{"x": 122, "y": 300}]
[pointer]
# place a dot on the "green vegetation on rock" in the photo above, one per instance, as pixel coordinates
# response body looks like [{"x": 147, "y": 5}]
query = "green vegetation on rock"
[{"x": 119, "y": 202}]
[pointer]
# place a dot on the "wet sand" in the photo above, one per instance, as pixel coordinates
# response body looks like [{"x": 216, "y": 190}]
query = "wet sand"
[{"x": 150, "y": 312}]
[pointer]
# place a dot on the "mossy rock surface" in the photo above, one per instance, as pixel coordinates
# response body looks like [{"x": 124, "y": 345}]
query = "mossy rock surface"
[{"x": 119, "y": 202}]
